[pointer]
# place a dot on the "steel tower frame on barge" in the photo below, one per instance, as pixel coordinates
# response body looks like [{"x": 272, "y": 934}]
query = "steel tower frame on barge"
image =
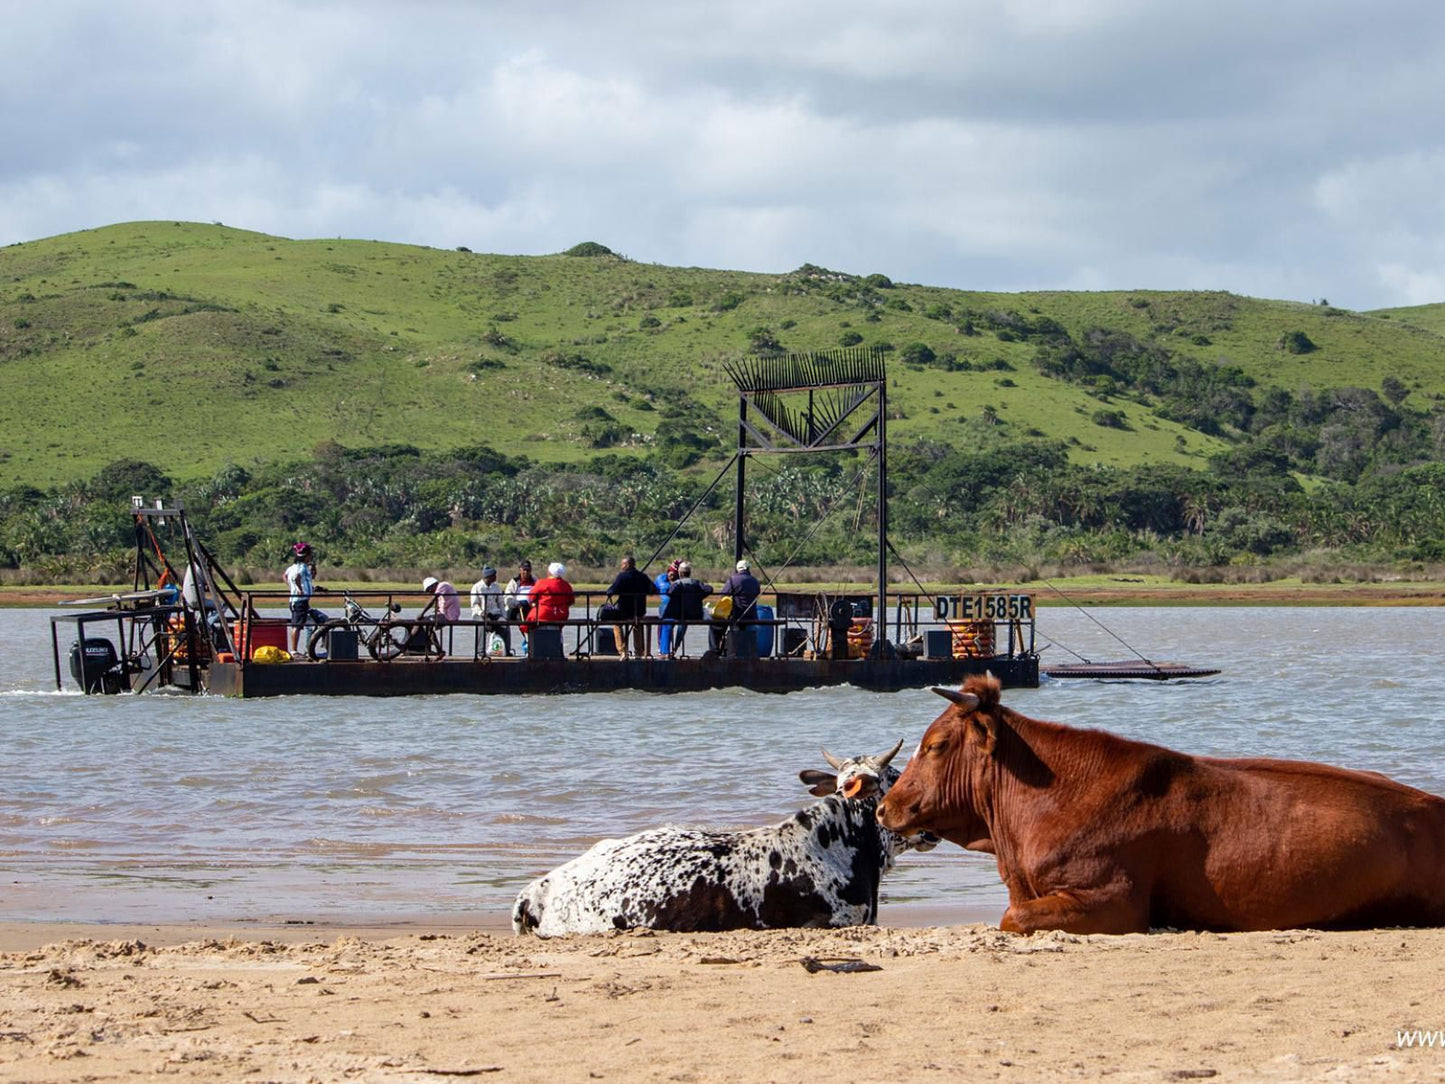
[{"x": 847, "y": 393}]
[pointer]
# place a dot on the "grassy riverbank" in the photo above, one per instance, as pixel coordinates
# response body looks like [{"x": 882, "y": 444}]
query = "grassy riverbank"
[{"x": 1093, "y": 590}]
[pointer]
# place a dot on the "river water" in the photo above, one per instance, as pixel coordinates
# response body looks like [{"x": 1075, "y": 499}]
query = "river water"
[{"x": 168, "y": 808}]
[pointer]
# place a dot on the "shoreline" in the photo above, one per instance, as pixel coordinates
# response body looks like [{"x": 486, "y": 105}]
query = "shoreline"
[
  {"x": 23, "y": 934},
  {"x": 1088, "y": 591}
]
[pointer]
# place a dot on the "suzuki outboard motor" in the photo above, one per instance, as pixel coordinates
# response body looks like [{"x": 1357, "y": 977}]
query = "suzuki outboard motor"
[{"x": 103, "y": 670}]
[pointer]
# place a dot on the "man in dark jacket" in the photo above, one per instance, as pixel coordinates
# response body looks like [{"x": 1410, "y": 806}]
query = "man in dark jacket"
[
  {"x": 684, "y": 603},
  {"x": 743, "y": 588},
  {"x": 630, "y": 588}
]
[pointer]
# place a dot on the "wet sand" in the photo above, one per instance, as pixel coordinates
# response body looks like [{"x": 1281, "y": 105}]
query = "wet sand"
[{"x": 932, "y": 1003}]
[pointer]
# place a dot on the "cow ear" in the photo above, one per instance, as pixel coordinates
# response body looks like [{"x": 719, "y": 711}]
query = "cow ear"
[
  {"x": 984, "y": 730},
  {"x": 820, "y": 784}
]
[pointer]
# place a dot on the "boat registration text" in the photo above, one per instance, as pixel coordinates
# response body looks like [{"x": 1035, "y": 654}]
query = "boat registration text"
[{"x": 989, "y": 607}]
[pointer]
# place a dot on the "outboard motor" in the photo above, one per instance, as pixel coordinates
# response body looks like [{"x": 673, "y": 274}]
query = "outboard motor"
[
  {"x": 104, "y": 672},
  {"x": 840, "y": 617}
]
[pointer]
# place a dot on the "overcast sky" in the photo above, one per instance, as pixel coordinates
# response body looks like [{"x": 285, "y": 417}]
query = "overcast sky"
[{"x": 1273, "y": 148}]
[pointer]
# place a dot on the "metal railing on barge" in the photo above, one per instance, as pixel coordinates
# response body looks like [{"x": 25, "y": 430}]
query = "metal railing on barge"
[{"x": 802, "y": 625}]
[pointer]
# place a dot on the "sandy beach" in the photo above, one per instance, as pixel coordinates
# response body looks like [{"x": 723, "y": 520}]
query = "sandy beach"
[{"x": 934, "y": 1003}]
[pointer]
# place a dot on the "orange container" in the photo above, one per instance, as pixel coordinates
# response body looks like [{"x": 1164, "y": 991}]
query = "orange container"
[
  {"x": 860, "y": 637},
  {"x": 972, "y": 639},
  {"x": 265, "y": 632}
]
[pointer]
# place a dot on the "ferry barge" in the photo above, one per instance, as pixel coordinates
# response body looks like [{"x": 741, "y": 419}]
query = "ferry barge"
[
  {"x": 185, "y": 625},
  {"x": 799, "y": 641}
]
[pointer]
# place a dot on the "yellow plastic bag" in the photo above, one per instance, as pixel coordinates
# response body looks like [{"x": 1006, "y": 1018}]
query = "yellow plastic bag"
[{"x": 268, "y": 653}]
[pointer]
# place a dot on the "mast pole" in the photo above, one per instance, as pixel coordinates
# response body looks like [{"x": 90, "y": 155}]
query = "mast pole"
[
  {"x": 880, "y": 623},
  {"x": 742, "y": 476}
]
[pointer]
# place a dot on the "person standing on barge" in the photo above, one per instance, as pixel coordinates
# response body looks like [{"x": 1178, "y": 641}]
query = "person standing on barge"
[
  {"x": 665, "y": 580},
  {"x": 300, "y": 578}
]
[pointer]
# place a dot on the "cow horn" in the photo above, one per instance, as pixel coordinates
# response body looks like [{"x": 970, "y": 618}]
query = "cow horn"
[
  {"x": 967, "y": 701},
  {"x": 884, "y": 758},
  {"x": 833, "y": 762}
]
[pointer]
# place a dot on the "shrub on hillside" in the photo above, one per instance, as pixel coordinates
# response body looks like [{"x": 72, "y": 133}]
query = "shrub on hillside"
[
  {"x": 593, "y": 414},
  {"x": 761, "y": 340},
  {"x": 589, "y": 248},
  {"x": 576, "y": 362},
  {"x": 916, "y": 353},
  {"x": 601, "y": 434},
  {"x": 494, "y": 337},
  {"x": 1296, "y": 342}
]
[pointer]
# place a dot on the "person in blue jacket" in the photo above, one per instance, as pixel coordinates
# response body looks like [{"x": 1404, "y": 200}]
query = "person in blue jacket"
[{"x": 664, "y": 581}]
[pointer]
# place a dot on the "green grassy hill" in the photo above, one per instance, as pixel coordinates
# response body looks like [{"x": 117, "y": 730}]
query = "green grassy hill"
[{"x": 192, "y": 346}]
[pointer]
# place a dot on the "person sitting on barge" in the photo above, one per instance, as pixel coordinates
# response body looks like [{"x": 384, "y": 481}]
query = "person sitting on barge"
[
  {"x": 743, "y": 589},
  {"x": 445, "y": 608},
  {"x": 684, "y": 604},
  {"x": 448, "y": 602},
  {"x": 518, "y": 597},
  {"x": 488, "y": 607},
  {"x": 630, "y": 588},
  {"x": 552, "y": 597}
]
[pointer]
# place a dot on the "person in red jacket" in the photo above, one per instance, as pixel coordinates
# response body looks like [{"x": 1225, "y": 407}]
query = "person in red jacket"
[{"x": 551, "y": 598}]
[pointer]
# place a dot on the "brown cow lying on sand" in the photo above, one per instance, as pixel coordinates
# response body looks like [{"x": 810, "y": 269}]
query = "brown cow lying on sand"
[{"x": 1099, "y": 834}]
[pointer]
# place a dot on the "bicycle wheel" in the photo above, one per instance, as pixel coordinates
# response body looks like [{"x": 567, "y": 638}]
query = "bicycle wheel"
[
  {"x": 316, "y": 642},
  {"x": 388, "y": 641}
]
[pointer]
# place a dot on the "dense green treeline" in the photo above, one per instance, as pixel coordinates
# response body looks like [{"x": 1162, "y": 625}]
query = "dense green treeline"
[{"x": 1000, "y": 500}]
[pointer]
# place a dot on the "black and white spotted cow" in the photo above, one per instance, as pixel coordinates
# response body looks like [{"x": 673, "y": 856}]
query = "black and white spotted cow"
[{"x": 820, "y": 867}]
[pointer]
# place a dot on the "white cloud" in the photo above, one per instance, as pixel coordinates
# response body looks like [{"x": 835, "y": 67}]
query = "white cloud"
[{"x": 1289, "y": 150}]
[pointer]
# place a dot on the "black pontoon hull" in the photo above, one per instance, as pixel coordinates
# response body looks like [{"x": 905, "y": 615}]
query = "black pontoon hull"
[{"x": 406, "y": 677}]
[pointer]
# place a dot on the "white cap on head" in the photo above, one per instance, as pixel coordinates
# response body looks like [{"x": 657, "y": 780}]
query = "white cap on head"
[
  {"x": 428, "y": 583},
  {"x": 743, "y": 566},
  {"x": 556, "y": 568}
]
